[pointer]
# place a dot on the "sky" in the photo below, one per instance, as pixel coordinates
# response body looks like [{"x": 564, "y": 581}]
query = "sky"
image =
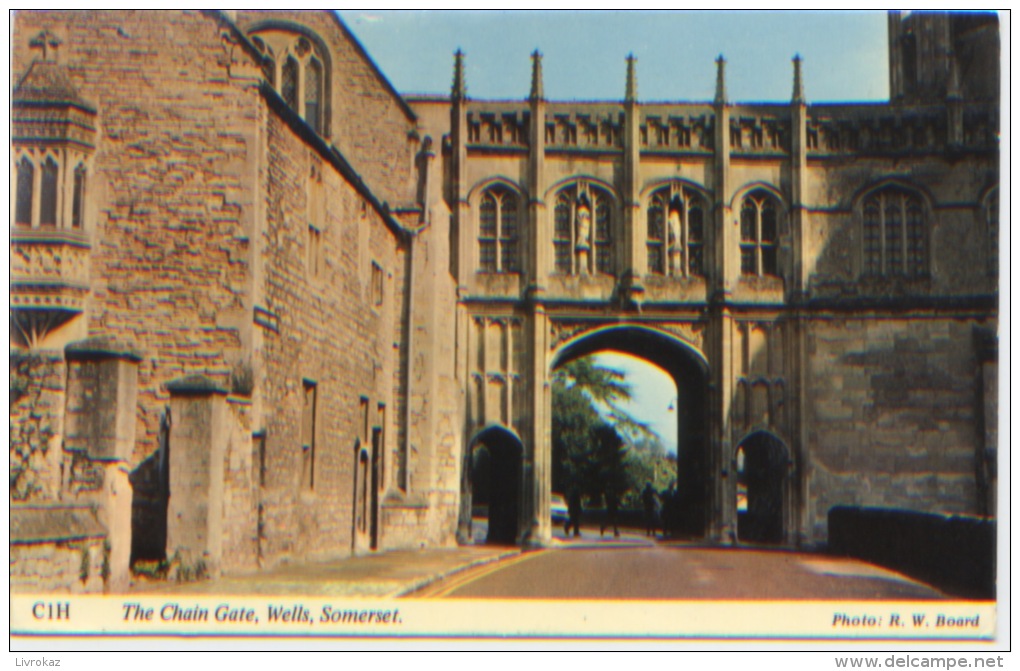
[
  {"x": 653, "y": 392},
  {"x": 844, "y": 52}
]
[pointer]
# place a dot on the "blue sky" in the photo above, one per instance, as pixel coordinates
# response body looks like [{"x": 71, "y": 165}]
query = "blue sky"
[
  {"x": 652, "y": 392},
  {"x": 845, "y": 53}
]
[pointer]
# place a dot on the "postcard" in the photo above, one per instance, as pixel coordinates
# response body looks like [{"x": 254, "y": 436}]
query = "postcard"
[{"x": 592, "y": 328}]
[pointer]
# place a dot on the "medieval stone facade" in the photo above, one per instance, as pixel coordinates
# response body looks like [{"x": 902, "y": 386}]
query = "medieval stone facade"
[{"x": 263, "y": 308}]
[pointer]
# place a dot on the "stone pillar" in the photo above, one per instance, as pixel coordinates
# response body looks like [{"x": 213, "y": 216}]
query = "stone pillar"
[
  {"x": 800, "y": 280},
  {"x": 539, "y": 236},
  {"x": 724, "y": 240},
  {"x": 198, "y": 439},
  {"x": 99, "y": 423},
  {"x": 537, "y": 480},
  {"x": 798, "y": 176},
  {"x": 466, "y": 243},
  {"x": 635, "y": 262},
  {"x": 726, "y": 270}
]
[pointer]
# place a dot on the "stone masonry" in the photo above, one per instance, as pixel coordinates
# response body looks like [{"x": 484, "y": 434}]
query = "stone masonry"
[{"x": 264, "y": 308}]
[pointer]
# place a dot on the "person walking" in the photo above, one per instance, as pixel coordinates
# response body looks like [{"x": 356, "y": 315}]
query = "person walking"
[
  {"x": 612, "y": 511},
  {"x": 574, "y": 511}
]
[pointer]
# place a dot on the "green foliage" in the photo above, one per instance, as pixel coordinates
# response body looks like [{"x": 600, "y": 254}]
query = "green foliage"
[{"x": 592, "y": 449}]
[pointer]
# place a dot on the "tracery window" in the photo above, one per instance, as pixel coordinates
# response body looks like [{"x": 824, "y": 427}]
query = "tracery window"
[
  {"x": 759, "y": 234},
  {"x": 78, "y": 197},
  {"x": 43, "y": 189},
  {"x": 313, "y": 94},
  {"x": 289, "y": 82},
  {"x": 48, "y": 196},
  {"x": 498, "y": 227},
  {"x": 894, "y": 233},
  {"x": 23, "y": 205},
  {"x": 297, "y": 66},
  {"x": 582, "y": 246},
  {"x": 676, "y": 232}
]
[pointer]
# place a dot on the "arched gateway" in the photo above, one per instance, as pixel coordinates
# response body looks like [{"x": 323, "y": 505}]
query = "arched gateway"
[
  {"x": 507, "y": 471},
  {"x": 689, "y": 370}
]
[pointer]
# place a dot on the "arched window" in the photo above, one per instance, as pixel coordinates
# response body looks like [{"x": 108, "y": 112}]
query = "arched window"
[
  {"x": 78, "y": 202},
  {"x": 313, "y": 94},
  {"x": 289, "y": 82},
  {"x": 48, "y": 195},
  {"x": 303, "y": 78},
  {"x": 583, "y": 231},
  {"x": 23, "y": 206},
  {"x": 562, "y": 235},
  {"x": 894, "y": 233},
  {"x": 676, "y": 232},
  {"x": 498, "y": 228},
  {"x": 759, "y": 234}
]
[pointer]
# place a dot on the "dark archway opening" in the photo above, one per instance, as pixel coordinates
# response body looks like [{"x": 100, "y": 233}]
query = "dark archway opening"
[
  {"x": 150, "y": 484},
  {"x": 762, "y": 463},
  {"x": 496, "y": 463},
  {"x": 690, "y": 375}
]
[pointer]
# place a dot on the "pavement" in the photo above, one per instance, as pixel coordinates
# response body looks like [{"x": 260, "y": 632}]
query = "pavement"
[
  {"x": 706, "y": 572},
  {"x": 389, "y": 574}
]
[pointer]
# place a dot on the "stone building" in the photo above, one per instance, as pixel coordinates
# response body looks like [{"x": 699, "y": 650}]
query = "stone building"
[{"x": 265, "y": 309}]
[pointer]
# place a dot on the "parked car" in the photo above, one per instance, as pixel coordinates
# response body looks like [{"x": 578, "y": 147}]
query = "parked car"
[{"x": 560, "y": 514}]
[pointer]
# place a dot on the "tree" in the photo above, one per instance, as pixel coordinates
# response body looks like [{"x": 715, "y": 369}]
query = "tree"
[{"x": 591, "y": 434}]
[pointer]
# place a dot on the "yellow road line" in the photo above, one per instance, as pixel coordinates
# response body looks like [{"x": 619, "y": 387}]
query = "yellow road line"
[{"x": 471, "y": 575}]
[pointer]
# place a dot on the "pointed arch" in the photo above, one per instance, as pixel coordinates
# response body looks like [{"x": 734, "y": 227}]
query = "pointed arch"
[
  {"x": 894, "y": 218},
  {"x": 584, "y": 226}
]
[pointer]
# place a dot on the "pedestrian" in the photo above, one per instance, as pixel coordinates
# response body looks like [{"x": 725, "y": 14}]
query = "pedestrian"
[
  {"x": 650, "y": 500},
  {"x": 670, "y": 510},
  {"x": 574, "y": 511},
  {"x": 612, "y": 511}
]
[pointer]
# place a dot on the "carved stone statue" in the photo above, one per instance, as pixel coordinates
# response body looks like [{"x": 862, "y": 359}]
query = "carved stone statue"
[
  {"x": 675, "y": 241},
  {"x": 673, "y": 222},
  {"x": 583, "y": 227}
]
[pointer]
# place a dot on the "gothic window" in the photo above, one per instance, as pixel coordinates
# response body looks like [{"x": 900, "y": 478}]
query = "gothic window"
[
  {"x": 289, "y": 82},
  {"x": 562, "y": 235},
  {"x": 894, "y": 233},
  {"x": 992, "y": 224},
  {"x": 297, "y": 66},
  {"x": 656, "y": 238},
  {"x": 759, "y": 234},
  {"x": 583, "y": 231},
  {"x": 23, "y": 206},
  {"x": 48, "y": 195},
  {"x": 313, "y": 94},
  {"x": 78, "y": 197},
  {"x": 603, "y": 243},
  {"x": 676, "y": 232},
  {"x": 498, "y": 228}
]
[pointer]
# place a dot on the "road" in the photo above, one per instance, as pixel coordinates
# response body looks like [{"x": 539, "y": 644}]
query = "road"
[{"x": 636, "y": 569}]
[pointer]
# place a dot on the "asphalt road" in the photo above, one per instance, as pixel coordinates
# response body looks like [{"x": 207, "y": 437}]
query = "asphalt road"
[{"x": 605, "y": 570}]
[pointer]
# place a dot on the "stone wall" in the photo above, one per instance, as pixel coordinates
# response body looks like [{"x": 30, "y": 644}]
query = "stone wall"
[
  {"x": 170, "y": 186},
  {"x": 240, "y": 505},
  {"x": 891, "y": 416},
  {"x": 369, "y": 125},
  {"x": 69, "y": 567},
  {"x": 36, "y": 424},
  {"x": 325, "y": 330}
]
